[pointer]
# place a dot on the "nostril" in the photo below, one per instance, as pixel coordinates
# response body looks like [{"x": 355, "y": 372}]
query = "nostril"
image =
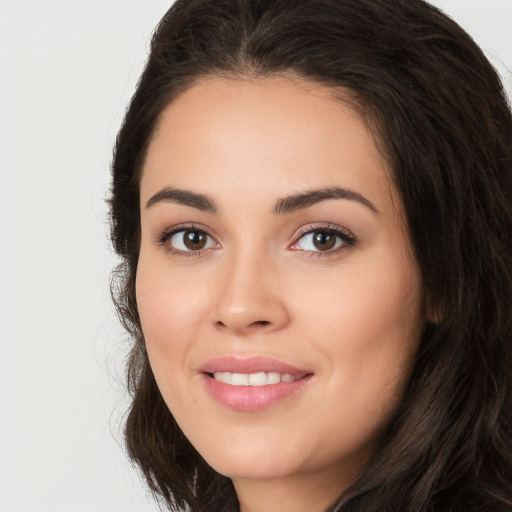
[{"x": 261, "y": 322}]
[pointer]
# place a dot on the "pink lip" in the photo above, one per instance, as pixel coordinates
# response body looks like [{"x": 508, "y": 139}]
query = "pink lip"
[
  {"x": 249, "y": 365},
  {"x": 251, "y": 398}
]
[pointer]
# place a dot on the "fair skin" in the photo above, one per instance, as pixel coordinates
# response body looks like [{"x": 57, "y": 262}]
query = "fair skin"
[{"x": 325, "y": 285}]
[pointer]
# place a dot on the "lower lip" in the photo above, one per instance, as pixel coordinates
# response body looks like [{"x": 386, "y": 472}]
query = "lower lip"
[{"x": 252, "y": 398}]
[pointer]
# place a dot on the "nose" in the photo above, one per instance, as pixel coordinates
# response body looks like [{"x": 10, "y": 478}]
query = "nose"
[{"x": 249, "y": 299}]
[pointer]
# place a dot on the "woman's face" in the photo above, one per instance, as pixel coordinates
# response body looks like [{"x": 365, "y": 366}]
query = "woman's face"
[{"x": 278, "y": 297}]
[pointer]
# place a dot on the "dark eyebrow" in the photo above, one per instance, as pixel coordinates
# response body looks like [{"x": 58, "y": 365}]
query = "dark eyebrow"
[
  {"x": 309, "y": 198},
  {"x": 186, "y": 197}
]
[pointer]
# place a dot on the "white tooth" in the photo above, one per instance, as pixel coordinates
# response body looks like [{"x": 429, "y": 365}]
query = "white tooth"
[
  {"x": 273, "y": 378},
  {"x": 224, "y": 377},
  {"x": 253, "y": 379},
  {"x": 240, "y": 379},
  {"x": 257, "y": 379}
]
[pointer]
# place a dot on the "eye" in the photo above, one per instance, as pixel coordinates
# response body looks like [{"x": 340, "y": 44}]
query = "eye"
[
  {"x": 182, "y": 240},
  {"x": 323, "y": 239}
]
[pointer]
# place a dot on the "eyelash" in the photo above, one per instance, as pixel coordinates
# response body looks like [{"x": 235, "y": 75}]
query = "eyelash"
[
  {"x": 347, "y": 238},
  {"x": 166, "y": 235}
]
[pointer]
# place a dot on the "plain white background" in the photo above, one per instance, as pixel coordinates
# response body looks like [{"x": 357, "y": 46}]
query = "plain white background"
[{"x": 67, "y": 71}]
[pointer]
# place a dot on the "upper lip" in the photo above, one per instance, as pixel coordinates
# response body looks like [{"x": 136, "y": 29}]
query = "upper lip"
[{"x": 250, "y": 365}]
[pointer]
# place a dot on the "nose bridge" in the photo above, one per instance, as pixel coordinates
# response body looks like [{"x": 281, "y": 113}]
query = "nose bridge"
[{"x": 247, "y": 298}]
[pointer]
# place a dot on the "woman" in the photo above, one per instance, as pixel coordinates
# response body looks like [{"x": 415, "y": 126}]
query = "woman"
[{"x": 312, "y": 201}]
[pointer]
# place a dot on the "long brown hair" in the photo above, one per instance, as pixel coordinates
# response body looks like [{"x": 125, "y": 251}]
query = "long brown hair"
[{"x": 439, "y": 114}]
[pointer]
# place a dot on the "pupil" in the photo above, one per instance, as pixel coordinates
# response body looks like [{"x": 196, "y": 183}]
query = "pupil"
[
  {"x": 194, "y": 240},
  {"x": 324, "y": 240}
]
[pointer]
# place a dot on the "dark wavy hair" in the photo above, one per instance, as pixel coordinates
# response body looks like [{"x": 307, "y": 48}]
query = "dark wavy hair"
[{"x": 440, "y": 117}]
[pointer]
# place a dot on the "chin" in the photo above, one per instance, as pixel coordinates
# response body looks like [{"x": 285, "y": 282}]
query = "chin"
[
  {"x": 263, "y": 463},
  {"x": 261, "y": 470}
]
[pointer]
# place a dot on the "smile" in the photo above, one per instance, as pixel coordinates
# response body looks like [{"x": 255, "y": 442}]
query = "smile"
[
  {"x": 254, "y": 379},
  {"x": 253, "y": 384}
]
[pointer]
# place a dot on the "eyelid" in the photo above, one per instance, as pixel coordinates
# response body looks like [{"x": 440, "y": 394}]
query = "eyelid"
[
  {"x": 347, "y": 237},
  {"x": 164, "y": 236}
]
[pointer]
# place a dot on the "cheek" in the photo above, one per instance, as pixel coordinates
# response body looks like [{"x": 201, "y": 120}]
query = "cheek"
[
  {"x": 168, "y": 316},
  {"x": 367, "y": 324},
  {"x": 379, "y": 318},
  {"x": 169, "y": 310},
  {"x": 167, "y": 305}
]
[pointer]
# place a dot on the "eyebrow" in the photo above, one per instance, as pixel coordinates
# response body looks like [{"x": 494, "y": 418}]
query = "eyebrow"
[
  {"x": 309, "y": 198},
  {"x": 285, "y": 205},
  {"x": 186, "y": 197}
]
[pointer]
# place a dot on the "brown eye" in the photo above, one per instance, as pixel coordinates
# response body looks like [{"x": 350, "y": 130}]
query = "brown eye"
[
  {"x": 324, "y": 240},
  {"x": 189, "y": 240},
  {"x": 194, "y": 240}
]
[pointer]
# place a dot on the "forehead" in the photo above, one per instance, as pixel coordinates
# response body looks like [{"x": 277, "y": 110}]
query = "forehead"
[{"x": 264, "y": 135}]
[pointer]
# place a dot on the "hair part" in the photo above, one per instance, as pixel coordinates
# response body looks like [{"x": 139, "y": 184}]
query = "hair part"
[{"x": 440, "y": 117}]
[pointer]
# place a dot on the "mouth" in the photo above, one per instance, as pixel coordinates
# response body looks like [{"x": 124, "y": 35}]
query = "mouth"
[
  {"x": 252, "y": 384},
  {"x": 252, "y": 366},
  {"x": 255, "y": 379}
]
